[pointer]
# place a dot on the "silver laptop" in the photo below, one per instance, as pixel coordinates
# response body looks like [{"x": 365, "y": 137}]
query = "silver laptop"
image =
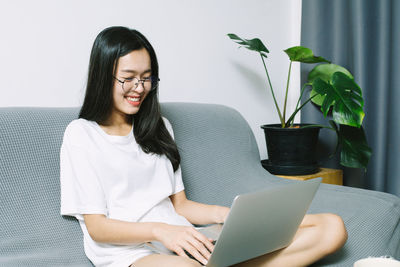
[{"x": 260, "y": 222}]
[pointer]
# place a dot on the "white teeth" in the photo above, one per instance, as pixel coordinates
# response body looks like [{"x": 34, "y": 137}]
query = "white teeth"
[{"x": 134, "y": 99}]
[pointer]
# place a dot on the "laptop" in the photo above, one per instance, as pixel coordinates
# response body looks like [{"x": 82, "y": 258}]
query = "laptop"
[{"x": 260, "y": 222}]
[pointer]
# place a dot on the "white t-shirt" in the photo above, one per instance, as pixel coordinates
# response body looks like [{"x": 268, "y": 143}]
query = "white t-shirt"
[{"x": 111, "y": 175}]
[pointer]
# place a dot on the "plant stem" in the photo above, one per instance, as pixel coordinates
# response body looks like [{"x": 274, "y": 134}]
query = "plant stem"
[
  {"x": 297, "y": 110},
  {"x": 298, "y": 101},
  {"x": 273, "y": 95},
  {"x": 301, "y": 93},
  {"x": 287, "y": 89}
]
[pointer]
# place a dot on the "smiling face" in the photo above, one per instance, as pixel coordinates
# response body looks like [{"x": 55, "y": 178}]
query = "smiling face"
[{"x": 136, "y": 64}]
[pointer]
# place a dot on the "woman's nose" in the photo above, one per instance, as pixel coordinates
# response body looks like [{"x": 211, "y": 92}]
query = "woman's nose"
[{"x": 139, "y": 88}]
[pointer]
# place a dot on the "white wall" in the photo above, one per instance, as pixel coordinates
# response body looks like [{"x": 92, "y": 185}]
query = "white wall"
[{"x": 45, "y": 46}]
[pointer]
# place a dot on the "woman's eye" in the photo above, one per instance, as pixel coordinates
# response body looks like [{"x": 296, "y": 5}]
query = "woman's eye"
[{"x": 128, "y": 79}]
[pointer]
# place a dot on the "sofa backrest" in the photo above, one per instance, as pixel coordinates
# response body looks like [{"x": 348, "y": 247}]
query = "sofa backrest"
[
  {"x": 32, "y": 231},
  {"x": 218, "y": 152}
]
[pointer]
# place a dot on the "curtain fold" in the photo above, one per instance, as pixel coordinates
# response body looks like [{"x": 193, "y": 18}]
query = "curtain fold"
[{"x": 364, "y": 37}]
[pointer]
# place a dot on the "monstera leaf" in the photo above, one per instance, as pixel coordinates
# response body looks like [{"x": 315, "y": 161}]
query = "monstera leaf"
[
  {"x": 325, "y": 72},
  {"x": 304, "y": 55},
  {"x": 355, "y": 152},
  {"x": 252, "y": 44},
  {"x": 341, "y": 92}
]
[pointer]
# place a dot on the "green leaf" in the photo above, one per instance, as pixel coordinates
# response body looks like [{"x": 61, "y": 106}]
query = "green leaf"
[
  {"x": 304, "y": 55},
  {"x": 345, "y": 97},
  {"x": 320, "y": 87},
  {"x": 348, "y": 107},
  {"x": 324, "y": 72},
  {"x": 355, "y": 150},
  {"x": 251, "y": 44}
]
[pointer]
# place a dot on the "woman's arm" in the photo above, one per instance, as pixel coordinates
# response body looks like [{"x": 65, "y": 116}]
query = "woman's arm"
[
  {"x": 105, "y": 230},
  {"x": 198, "y": 213},
  {"x": 174, "y": 237}
]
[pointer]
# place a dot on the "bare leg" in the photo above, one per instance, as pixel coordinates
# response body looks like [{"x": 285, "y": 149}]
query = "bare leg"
[
  {"x": 157, "y": 260},
  {"x": 318, "y": 236}
]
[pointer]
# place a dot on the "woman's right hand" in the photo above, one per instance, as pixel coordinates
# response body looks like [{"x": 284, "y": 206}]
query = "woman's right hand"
[{"x": 179, "y": 238}]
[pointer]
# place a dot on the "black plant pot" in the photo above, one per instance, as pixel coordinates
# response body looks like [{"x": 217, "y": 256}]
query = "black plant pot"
[{"x": 291, "y": 151}]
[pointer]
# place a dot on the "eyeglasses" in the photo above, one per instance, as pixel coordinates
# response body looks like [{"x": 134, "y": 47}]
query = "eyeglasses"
[{"x": 129, "y": 84}]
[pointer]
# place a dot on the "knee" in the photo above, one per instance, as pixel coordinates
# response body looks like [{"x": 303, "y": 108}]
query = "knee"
[{"x": 335, "y": 232}]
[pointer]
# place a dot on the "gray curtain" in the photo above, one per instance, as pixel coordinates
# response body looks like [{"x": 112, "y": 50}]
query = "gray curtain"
[{"x": 364, "y": 37}]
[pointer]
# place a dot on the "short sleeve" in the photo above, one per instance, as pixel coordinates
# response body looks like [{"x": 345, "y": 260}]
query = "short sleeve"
[
  {"x": 81, "y": 191},
  {"x": 178, "y": 181},
  {"x": 179, "y": 186}
]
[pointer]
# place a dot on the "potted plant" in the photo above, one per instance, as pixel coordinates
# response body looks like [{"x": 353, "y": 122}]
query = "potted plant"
[{"x": 332, "y": 87}]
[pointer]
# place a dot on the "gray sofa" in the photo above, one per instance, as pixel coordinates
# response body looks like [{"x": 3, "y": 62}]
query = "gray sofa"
[{"x": 220, "y": 159}]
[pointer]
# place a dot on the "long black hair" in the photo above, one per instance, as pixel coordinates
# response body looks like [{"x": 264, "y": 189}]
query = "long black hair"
[{"x": 149, "y": 129}]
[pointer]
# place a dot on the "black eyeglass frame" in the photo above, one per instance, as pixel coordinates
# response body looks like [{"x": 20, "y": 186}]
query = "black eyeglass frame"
[{"x": 153, "y": 79}]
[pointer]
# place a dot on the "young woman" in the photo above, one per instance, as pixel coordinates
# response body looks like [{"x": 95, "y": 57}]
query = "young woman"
[{"x": 121, "y": 178}]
